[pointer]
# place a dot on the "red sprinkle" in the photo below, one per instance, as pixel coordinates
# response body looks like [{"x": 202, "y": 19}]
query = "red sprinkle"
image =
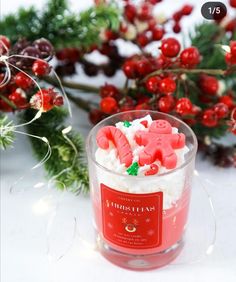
[
  {"x": 153, "y": 170},
  {"x": 144, "y": 122}
]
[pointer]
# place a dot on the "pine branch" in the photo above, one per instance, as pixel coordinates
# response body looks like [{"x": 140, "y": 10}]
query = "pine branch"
[
  {"x": 63, "y": 157},
  {"x": 6, "y": 132},
  {"x": 207, "y": 38},
  {"x": 61, "y": 26}
]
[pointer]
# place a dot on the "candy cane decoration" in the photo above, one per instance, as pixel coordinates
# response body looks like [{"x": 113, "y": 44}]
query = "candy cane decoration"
[{"x": 116, "y": 136}]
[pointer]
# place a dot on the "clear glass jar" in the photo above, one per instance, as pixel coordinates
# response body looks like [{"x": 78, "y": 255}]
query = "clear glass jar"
[{"x": 141, "y": 230}]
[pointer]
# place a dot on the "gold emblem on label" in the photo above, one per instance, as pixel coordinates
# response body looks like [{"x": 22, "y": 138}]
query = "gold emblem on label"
[{"x": 130, "y": 228}]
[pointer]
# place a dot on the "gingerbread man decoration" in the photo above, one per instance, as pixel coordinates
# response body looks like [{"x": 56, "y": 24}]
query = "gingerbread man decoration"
[{"x": 159, "y": 144}]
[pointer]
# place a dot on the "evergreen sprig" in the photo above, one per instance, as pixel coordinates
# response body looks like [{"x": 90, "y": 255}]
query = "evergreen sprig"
[
  {"x": 208, "y": 38},
  {"x": 6, "y": 132},
  {"x": 61, "y": 26},
  {"x": 63, "y": 156}
]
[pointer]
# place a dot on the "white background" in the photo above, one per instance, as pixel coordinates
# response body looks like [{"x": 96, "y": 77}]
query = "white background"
[{"x": 26, "y": 210}]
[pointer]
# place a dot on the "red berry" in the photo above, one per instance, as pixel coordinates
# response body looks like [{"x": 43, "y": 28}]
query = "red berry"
[
  {"x": 177, "y": 16},
  {"x": 221, "y": 110},
  {"x": 163, "y": 61},
  {"x": 142, "y": 39},
  {"x": 233, "y": 48},
  {"x": 231, "y": 25},
  {"x": 154, "y": 2},
  {"x": 190, "y": 121},
  {"x": 128, "y": 101},
  {"x": 170, "y": 47},
  {"x": 183, "y": 106},
  {"x": 143, "y": 106},
  {"x": 41, "y": 67},
  {"x": 177, "y": 27},
  {"x": 143, "y": 67},
  {"x": 73, "y": 54},
  {"x": 205, "y": 98},
  {"x": 130, "y": 12},
  {"x": 109, "y": 50},
  {"x": 58, "y": 101},
  {"x": 45, "y": 47},
  {"x": 152, "y": 84},
  {"x": 69, "y": 54},
  {"x": 190, "y": 57},
  {"x": 127, "y": 104},
  {"x": 29, "y": 53},
  {"x": 62, "y": 54},
  {"x": 195, "y": 110},
  {"x": 23, "y": 81},
  {"x": 4, "y": 106},
  {"x": 144, "y": 12},
  {"x": 108, "y": 105},
  {"x": 45, "y": 99},
  {"x": 233, "y": 60},
  {"x": 129, "y": 68},
  {"x": 187, "y": 10},
  {"x": 4, "y": 44},
  {"x": 209, "y": 118},
  {"x": 232, "y": 3},
  {"x": 18, "y": 99},
  {"x": 166, "y": 104},
  {"x": 110, "y": 35},
  {"x": 227, "y": 100},
  {"x": 95, "y": 116},
  {"x": 157, "y": 33},
  {"x": 143, "y": 99},
  {"x": 125, "y": 108},
  {"x": 109, "y": 90},
  {"x": 123, "y": 27},
  {"x": 152, "y": 24},
  {"x": 167, "y": 86},
  {"x": 209, "y": 84},
  {"x": 228, "y": 58}
]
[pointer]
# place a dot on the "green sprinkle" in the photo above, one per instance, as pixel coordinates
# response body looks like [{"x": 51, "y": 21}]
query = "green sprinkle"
[
  {"x": 127, "y": 123},
  {"x": 133, "y": 169}
]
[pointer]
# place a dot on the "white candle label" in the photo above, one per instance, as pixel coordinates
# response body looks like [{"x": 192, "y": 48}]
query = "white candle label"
[{"x": 132, "y": 220}]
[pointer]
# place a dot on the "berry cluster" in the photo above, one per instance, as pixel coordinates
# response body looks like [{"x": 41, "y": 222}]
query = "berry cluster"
[
  {"x": 26, "y": 62},
  {"x": 161, "y": 83},
  {"x": 68, "y": 57},
  {"x": 230, "y": 57},
  {"x": 155, "y": 86},
  {"x": 186, "y": 10},
  {"x": 159, "y": 91},
  {"x": 138, "y": 26}
]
